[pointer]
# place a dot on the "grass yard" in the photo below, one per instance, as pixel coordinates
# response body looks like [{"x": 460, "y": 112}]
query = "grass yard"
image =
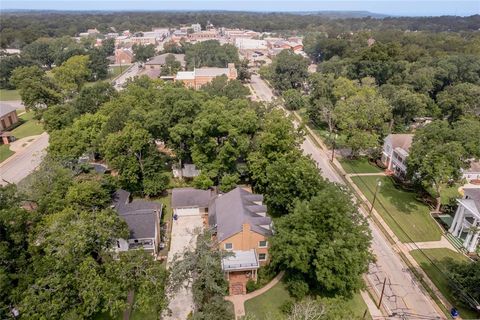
[
  {"x": 115, "y": 71},
  {"x": 30, "y": 127},
  {"x": 5, "y": 152},
  {"x": 167, "y": 212},
  {"x": 9, "y": 95},
  {"x": 400, "y": 209},
  {"x": 361, "y": 165},
  {"x": 438, "y": 256},
  {"x": 268, "y": 305}
]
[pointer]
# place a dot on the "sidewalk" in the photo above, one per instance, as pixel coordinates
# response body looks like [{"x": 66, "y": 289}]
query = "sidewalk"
[
  {"x": 442, "y": 243},
  {"x": 239, "y": 300},
  {"x": 402, "y": 248}
]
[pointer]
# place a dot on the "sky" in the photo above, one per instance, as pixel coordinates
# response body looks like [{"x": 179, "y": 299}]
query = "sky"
[{"x": 390, "y": 7}]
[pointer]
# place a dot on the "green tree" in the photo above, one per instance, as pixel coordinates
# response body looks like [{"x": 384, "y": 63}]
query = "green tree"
[
  {"x": 72, "y": 74},
  {"x": 210, "y": 53},
  {"x": 325, "y": 241},
  {"x": 459, "y": 99},
  {"x": 436, "y": 157},
  {"x": 36, "y": 89},
  {"x": 293, "y": 99},
  {"x": 143, "y": 52},
  {"x": 289, "y": 70},
  {"x": 40, "y": 50},
  {"x": 362, "y": 117},
  {"x": 7, "y": 65},
  {"x": 464, "y": 280},
  {"x": 222, "y": 87},
  {"x": 98, "y": 64},
  {"x": 171, "y": 66},
  {"x": 203, "y": 267}
]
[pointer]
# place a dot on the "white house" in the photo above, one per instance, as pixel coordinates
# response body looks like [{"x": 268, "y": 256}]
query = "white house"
[
  {"x": 472, "y": 173},
  {"x": 143, "y": 220},
  {"x": 395, "y": 153},
  {"x": 466, "y": 223},
  {"x": 190, "y": 201}
]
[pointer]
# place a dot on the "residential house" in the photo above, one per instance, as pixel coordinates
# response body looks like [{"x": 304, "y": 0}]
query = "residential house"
[
  {"x": 188, "y": 171},
  {"x": 466, "y": 223},
  {"x": 395, "y": 153},
  {"x": 8, "y": 118},
  {"x": 472, "y": 174},
  {"x": 242, "y": 227},
  {"x": 123, "y": 56},
  {"x": 190, "y": 201},
  {"x": 143, "y": 220},
  {"x": 201, "y": 76},
  {"x": 240, "y": 224}
]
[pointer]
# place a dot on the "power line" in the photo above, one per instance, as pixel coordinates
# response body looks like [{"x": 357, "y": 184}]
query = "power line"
[{"x": 471, "y": 300}]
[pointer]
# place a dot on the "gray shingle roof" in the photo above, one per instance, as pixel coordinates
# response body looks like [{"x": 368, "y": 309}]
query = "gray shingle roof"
[
  {"x": 190, "y": 197},
  {"x": 138, "y": 214},
  {"x": 231, "y": 210},
  {"x": 161, "y": 59},
  {"x": 6, "y": 108}
]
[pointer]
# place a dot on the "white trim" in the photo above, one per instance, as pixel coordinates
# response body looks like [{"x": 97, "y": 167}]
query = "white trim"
[
  {"x": 225, "y": 246},
  {"x": 266, "y": 257},
  {"x": 265, "y": 246}
]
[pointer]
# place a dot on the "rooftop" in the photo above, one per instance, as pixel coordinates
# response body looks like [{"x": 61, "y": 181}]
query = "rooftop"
[
  {"x": 6, "y": 108},
  {"x": 161, "y": 59},
  {"x": 401, "y": 140},
  {"x": 138, "y": 214},
  {"x": 233, "y": 209},
  {"x": 190, "y": 197},
  {"x": 240, "y": 260}
]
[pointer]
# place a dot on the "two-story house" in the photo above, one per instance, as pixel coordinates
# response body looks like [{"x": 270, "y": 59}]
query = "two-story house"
[
  {"x": 143, "y": 221},
  {"x": 466, "y": 223},
  {"x": 242, "y": 227},
  {"x": 395, "y": 153}
]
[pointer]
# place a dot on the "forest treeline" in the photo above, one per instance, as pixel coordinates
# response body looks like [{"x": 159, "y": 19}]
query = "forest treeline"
[{"x": 20, "y": 28}]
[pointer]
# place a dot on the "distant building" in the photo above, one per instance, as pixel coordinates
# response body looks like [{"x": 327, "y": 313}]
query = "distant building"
[
  {"x": 8, "y": 118},
  {"x": 395, "y": 153},
  {"x": 201, "y": 76},
  {"x": 158, "y": 62},
  {"x": 123, "y": 56},
  {"x": 196, "y": 27},
  {"x": 203, "y": 36},
  {"x": 143, "y": 221},
  {"x": 466, "y": 223}
]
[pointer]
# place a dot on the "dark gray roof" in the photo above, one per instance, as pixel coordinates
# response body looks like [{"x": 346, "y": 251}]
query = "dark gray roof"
[
  {"x": 190, "y": 197},
  {"x": 138, "y": 214},
  {"x": 231, "y": 210},
  {"x": 160, "y": 59},
  {"x": 6, "y": 108}
]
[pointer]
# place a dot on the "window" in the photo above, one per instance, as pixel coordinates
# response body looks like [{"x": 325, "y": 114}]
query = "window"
[
  {"x": 262, "y": 244},
  {"x": 228, "y": 246},
  {"x": 262, "y": 256}
]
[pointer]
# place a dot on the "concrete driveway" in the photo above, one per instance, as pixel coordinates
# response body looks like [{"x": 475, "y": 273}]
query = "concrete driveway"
[{"x": 183, "y": 237}]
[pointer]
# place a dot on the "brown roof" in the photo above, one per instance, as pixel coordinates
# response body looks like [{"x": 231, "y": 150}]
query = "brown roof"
[{"x": 401, "y": 140}]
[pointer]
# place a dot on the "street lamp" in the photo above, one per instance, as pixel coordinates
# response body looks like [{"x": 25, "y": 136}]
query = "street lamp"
[
  {"x": 379, "y": 184},
  {"x": 333, "y": 146}
]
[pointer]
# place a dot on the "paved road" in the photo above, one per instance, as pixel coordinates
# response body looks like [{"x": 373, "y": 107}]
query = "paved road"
[
  {"x": 183, "y": 237},
  {"x": 403, "y": 298},
  {"x": 22, "y": 163},
  {"x": 128, "y": 74}
]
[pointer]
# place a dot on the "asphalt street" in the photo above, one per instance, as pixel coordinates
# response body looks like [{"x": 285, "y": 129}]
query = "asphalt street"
[{"x": 403, "y": 298}]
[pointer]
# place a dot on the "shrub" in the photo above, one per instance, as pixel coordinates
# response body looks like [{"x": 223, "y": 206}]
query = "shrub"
[
  {"x": 251, "y": 286},
  {"x": 297, "y": 287}
]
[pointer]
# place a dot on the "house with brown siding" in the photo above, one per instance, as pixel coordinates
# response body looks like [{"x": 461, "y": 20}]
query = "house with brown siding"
[{"x": 8, "y": 119}]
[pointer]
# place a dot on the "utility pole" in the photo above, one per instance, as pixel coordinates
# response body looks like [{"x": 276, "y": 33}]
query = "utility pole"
[
  {"x": 381, "y": 296},
  {"x": 377, "y": 186},
  {"x": 333, "y": 146}
]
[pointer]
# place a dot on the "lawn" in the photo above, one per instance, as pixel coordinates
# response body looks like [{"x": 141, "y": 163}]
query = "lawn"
[
  {"x": 9, "y": 95},
  {"x": 30, "y": 127},
  {"x": 361, "y": 165},
  {"x": 400, "y": 209},
  {"x": 438, "y": 277},
  {"x": 5, "y": 152},
  {"x": 268, "y": 305},
  {"x": 115, "y": 71}
]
